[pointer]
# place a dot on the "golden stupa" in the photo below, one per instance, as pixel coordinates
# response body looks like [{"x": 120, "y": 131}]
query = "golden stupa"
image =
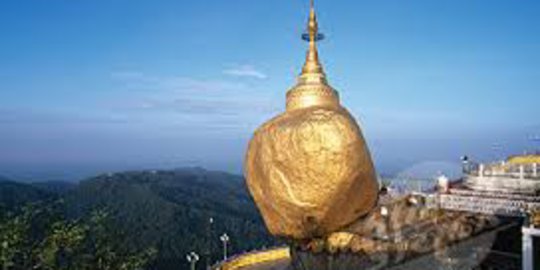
[{"x": 309, "y": 169}]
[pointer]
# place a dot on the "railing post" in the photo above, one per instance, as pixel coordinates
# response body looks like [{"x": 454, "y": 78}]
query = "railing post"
[
  {"x": 521, "y": 172},
  {"x": 527, "y": 249},
  {"x": 481, "y": 170},
  {"x": 535, "y": 169},
  {"x": 442, "y": 183}
]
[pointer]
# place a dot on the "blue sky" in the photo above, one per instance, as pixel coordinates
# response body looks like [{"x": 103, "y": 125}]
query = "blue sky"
[{"x": 93, "y": 86}]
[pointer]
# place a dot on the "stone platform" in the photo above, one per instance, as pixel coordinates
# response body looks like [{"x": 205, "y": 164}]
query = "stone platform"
[{"x": 399, "y": 234}]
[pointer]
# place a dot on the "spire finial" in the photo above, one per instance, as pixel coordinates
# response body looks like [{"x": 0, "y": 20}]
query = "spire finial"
[
  {"x": 312, "y": 69},
  {"x": 312, "y": 88}
]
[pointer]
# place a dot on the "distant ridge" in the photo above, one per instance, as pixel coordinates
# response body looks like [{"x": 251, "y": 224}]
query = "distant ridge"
[
  {"x": 56, "y": 187},
  {"x": 14, "y": 195},
  {"x": 4, "y": 179}
]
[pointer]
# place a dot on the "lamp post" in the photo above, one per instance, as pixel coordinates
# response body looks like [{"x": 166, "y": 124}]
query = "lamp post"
[
  {"x": 225, "y": 239},
  {"x": 384, "y": 213},
  {"x": 192, "y": 258},
  {"x": 209, "y": 242},
  {"x": 465, "y": 167}
]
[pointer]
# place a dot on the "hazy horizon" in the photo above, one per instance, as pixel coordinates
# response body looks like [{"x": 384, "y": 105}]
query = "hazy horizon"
[{"x": 98, "y": 86}]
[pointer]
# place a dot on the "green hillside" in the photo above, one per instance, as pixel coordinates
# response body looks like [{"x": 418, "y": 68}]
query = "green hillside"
[{"x": 168, "y": 210}]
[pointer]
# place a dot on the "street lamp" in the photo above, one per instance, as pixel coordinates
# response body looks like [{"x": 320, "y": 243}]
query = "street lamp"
[
  {"x": 209, "y": 242},
  {"x": 465, "y": 167},
  {"x": 192, "y": 258},
  {"x": 384, "y": 213},
  {"x": 225, "y": 239}
]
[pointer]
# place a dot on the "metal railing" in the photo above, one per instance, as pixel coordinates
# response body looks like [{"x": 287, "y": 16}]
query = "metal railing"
[
  {"x": 503, "y": 169},
  {"x": 501, "y": 195},
  {"x": 485, "y": 205}
]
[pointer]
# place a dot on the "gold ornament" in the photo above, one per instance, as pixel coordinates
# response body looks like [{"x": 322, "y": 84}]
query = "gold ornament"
[{"x": 309, "y": 169}]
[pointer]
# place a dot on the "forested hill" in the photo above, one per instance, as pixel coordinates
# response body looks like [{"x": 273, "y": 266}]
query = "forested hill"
[
  {"x": 14, "y": 194},
  {"x": 56, "y": 187},
  {"x": 171, "y": 211}
]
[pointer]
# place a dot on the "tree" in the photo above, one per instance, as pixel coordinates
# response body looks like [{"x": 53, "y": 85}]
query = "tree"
[{"x": 40, "y": 237}]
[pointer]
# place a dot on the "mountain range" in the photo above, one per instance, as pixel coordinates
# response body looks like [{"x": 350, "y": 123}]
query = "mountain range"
[{"x": 175, "y": 211}]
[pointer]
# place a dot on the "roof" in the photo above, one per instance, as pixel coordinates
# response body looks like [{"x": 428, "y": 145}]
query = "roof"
[
  {"x": 524, "y": 159},
  {"x": 257, "y": 259}
]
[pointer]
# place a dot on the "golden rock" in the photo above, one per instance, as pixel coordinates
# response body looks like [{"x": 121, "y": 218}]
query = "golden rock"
[{"x": 309, "y": 169}]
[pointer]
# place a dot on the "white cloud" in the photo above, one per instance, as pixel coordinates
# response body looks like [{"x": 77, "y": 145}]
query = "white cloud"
[
  {"x": 141, "y": 81},
  {"x": 226, "y": 102},
  {"x": 245, "y": 71}
]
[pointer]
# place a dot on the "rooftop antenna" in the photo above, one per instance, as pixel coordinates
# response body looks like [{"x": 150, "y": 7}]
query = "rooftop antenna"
[{"x": 535, "y": 139}]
